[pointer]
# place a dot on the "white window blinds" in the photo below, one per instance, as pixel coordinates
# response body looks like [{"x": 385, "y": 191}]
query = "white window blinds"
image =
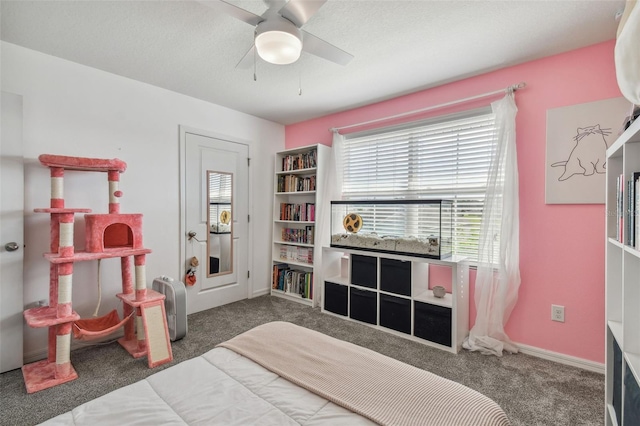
[
  {"x": 219, "y": 187},
  {"x": 445, "y": 158}
]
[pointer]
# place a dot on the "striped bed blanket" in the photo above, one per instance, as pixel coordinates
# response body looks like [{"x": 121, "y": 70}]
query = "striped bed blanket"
[{"x": 382, "y": 389}]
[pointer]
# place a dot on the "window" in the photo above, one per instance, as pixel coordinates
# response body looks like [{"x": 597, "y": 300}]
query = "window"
[{"x": 443, "y": 158}]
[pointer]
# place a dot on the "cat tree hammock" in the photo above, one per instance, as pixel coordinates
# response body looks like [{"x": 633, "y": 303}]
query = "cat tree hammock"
[{"x": 107, "y": 236}]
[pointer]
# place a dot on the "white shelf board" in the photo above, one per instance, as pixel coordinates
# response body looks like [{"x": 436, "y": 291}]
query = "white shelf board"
[
  {"x": 615, "y": 242},
  {"x": 297, "y": 172},
  {"x": 290, "y": 243},
  {"x": 632, "y": 134},
  {"x": 297, "y": 150},
  {"x": 293, "y": 263},
  {"x": 428, "y": 297},
  {"x": 291, "y": 296},
  {"x": 338, "y": 279},
  {"x": 301, "y": 222},
  {"x": 612, "y": 415},
  {"x": 632, "y": 251},
  {"x": 296, "y": 193},
  {"x": 400, "y": 296},
  {"x": 449, "y": 261},
  {"x": 362, "y": 287},
  {"x": 633, "y": 361},
  {"x": 616, "y": 330}
]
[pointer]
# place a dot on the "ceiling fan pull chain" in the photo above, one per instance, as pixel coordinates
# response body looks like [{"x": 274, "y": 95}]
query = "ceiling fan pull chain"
[
  {"x": 255, "y": 60},
  {"x": 300, "y": 84}
]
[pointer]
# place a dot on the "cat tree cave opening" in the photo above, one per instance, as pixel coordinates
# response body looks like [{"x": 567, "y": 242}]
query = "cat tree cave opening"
[{"x": 118, "y": 235}]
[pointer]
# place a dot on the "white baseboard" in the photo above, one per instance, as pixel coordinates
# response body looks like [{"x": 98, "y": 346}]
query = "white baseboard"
[
  {"x": 260, "y": 292},
  {"x": 573, "y": 361}
]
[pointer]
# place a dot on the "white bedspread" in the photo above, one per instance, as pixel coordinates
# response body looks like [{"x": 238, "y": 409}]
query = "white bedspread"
[
  {"x": 283, "y": 374},
  {"x": 217, "y": 388}
]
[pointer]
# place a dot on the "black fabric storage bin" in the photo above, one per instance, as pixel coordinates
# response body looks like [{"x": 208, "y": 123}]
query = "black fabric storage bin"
[
  {"x": 631, "y": 399},
  {"x": 433, "y": 323},
  {"x": 395, "y": 313},
  {"x": 395, "y": 276},
  {"x": 364, "y": 271},
  {"x": 335, "y": 298},
  {"x": 617, "y": 382},
  {"x": 364, "y": 306}
]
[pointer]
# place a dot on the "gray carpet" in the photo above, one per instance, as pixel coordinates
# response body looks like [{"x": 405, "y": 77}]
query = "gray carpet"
[{"x": 532, "y": 391}]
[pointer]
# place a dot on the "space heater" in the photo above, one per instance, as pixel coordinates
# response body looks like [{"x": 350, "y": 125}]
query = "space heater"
[{"x": 175, "y": 305}]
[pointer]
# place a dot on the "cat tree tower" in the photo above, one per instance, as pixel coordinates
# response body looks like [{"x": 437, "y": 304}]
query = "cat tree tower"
[{"x": 107, "y": 236}]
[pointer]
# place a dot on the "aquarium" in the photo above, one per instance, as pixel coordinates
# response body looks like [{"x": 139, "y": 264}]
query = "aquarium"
[{"x": 420, "y": 228}]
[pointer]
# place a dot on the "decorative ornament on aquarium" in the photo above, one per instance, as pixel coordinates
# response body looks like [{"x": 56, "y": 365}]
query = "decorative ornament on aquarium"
[
  {"x": 352, "y": 223},
  {"x": 225, "y": 216}
]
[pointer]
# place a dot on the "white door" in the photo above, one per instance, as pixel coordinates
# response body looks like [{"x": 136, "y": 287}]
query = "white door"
[
  {"x": 11, "y": 232},
  {"x": 203, "y": 155}
]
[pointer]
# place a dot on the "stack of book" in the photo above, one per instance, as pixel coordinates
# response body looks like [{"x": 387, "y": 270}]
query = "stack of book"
[
  {"x": 292, "y": 281},
  {"x": 307, "y": 160},
  {"x": 295, "y": 235},
  {"x": 297, "y": 254},
  {"x": 305, "y": 212},
  {"x": 293, "y": 183},
  {"x": 628, "y": 210}
]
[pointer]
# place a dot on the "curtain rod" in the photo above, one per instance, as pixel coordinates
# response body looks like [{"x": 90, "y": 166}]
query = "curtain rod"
[{"x": 511, "y": 88}]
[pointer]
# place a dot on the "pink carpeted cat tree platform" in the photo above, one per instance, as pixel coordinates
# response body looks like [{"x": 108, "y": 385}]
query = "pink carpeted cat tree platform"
[{"x": 107, "y": 236}]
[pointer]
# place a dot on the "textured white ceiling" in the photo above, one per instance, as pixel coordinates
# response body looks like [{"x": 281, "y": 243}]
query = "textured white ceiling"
[{"x": 399, "y": 46}]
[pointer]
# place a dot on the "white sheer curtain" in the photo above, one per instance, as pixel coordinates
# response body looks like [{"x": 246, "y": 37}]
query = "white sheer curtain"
[
  {"x": 336, "y": 170},
  {"x": 498, "y": 280},
  {"x": 331, "y": 189}
]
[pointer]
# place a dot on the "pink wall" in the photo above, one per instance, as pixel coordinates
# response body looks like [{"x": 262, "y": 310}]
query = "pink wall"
[{"x": 561, "y": 246}]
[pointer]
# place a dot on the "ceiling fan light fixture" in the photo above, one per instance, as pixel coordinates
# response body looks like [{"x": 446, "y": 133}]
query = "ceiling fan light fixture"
[{"x": 278, "y": 42}]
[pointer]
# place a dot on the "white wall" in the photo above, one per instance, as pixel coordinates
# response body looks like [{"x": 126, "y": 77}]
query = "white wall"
[{"x": 71, "y": 109}]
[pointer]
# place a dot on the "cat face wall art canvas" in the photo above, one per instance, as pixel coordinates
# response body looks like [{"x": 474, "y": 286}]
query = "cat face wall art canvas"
[{"x": 577, "y": 140}]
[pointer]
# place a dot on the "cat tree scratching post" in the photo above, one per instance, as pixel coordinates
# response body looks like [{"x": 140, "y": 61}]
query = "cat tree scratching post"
[{"x": 107, "y": 236}]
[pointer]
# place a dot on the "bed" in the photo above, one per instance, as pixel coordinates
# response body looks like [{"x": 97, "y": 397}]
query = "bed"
[{"x": 283, "y": 374}]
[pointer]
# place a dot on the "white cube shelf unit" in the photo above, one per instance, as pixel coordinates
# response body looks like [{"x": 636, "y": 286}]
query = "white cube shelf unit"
[
  {"x": 622, "y": 274},
  {"x": 392, "y": 293},
  {"x": 297, "y": 208}
]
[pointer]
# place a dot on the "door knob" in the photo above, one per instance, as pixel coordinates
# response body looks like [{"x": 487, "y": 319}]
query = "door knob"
[
  {"x": 12, "y": 246},
  {"x": 192, "y": 235}
]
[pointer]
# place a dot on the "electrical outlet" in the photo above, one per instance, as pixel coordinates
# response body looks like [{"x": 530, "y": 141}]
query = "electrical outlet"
[{"x": 557, "y": 313}]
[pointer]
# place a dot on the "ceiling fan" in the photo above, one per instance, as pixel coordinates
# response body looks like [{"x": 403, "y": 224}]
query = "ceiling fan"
[{"x": 278, "y": 37}]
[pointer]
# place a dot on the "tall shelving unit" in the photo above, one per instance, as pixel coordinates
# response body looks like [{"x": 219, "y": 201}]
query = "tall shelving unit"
[
  {"x": 297, "y": 207},
  {"x": 622, "y": 394}
]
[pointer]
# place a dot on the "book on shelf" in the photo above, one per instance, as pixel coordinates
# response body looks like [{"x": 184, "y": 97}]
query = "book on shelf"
[
  {"x": 292, "y": 281},
  {"x": 620, "y": 208},
  {"x": 306, "y": 160},
  {"x": 293, "y": 183},
  {"x": 633, "y": 209},
  {"x": 297, "y": 254},
  {"x": 305, "y": 212},
  {"x": 636, "y": 213},
  {"x": 277, "y": 272},
  {"x": 295, "y": 235},
  {"x": 628, "y": 209}
]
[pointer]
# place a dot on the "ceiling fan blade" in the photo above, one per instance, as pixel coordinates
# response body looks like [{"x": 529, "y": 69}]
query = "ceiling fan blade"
[
  {"x": 235, "y": 11},
  {"x": 316, "y": 46},
  {"x": 248, "y": 59},
  {"x": 300, "y": 11}
]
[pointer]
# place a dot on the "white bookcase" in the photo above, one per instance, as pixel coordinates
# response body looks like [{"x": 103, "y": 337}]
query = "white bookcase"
[
  {"x": 622, "y": 274},
  {"x": 297, "y": 207},
  {"x": 392, "y": 293}
]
